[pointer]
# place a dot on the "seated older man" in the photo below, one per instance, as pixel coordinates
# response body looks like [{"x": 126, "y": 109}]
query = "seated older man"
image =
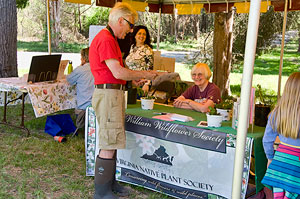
[{"x": 83, "y": 78}]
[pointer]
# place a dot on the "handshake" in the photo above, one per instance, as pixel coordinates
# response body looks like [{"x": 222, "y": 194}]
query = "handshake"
[{"x": 157, "y": 79}]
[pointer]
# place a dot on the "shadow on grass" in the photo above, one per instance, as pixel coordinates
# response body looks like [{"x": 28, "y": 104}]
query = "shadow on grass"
[
  {"x": 39, "y": 167},
  {"x": 41, "y": 46},
  {"x": 33, "y": 124},
  {"x": 268, "y": 63}
]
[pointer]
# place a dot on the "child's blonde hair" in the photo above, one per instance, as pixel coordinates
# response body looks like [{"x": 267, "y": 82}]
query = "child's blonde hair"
[{"x": 285, "y": 118}]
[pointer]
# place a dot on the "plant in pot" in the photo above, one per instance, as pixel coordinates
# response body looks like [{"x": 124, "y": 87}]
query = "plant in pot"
[
  {"x": 147, "y": 101},
  {"x": 214, "y": 119},
  {"x": 262, "y": 109},
  {"x": 225, "y": 107}
]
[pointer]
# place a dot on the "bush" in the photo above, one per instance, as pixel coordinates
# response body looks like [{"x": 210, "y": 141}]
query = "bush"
[{"x": 98, "y": 17}]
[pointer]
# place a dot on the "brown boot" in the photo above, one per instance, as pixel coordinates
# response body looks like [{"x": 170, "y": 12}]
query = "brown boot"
[
  {"x": 116, "y": 187},
  {"x": 104, "y": 175}
]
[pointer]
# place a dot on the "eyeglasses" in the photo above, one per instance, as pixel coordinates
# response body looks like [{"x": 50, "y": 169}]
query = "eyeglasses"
[{"x": 131, "y": 25}]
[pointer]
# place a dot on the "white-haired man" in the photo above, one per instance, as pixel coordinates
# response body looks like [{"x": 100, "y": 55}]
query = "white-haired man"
[{"x": 108, "y": 98}]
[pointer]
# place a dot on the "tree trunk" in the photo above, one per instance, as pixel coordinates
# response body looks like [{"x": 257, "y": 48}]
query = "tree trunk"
[
  {"x": 79, "y": 20},
  {"x": 222, "y": 45},
  {"x": 175, "y": 27},
  {"x": 195, "y": 21},
  {"x": 298, "y": 40},
  {"x": 204, "y": 22},
  {"x": 55, "y": 19},
  {"x": 8, "y": 38}
]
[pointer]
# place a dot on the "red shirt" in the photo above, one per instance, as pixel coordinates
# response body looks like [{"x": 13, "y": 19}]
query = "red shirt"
[
  {"x": 211, "y": 92},
  {"x": 103, "y": 47}
]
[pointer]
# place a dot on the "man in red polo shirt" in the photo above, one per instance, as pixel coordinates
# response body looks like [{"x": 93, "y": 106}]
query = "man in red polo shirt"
[{"x": 108, "y": 99}]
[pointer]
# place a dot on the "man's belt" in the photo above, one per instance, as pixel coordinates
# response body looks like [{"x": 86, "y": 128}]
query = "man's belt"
[{"x": 110, "y": 86}]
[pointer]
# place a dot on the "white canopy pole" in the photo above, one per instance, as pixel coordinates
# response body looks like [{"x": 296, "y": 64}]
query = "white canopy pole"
[
  {"x": 249, "y": 59},
  {"x": 48, "y": 27},
  {"x": 282, "y": 49}
]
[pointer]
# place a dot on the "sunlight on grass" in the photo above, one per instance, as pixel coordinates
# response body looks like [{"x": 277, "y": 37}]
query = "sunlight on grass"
[
  {"x": 22, "y": 71},
  {"x": 266, "y": 81},
  {"x": 184, "y": 71}
]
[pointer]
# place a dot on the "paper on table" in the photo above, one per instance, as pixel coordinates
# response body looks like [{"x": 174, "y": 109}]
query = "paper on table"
[
  {"x": 163, "y": 117},
  {"x": 181, "y": 118},
  {"x": 202, "y": 124}
]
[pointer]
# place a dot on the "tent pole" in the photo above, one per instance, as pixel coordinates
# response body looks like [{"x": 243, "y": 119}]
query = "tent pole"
[
  {"x": 48, "y": 27},
  {"x": 282, "y": 49},
  {"x": 249, "y": 59}
]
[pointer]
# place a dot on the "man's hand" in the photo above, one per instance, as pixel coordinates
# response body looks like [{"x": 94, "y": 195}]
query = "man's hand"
[
  {"x": 139, "y": 82},
  {"x": 180, "y": 101},
  {"x": 151, "y": 75}
]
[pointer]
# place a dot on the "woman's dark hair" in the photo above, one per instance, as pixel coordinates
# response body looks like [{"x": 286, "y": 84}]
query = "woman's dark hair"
[{"x": 135, "y": 31}]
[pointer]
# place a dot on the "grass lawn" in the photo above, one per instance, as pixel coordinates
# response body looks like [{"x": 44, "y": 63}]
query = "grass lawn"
[
  {"x": 39, "y": 167},
  {"x": 42, "y": 46}
]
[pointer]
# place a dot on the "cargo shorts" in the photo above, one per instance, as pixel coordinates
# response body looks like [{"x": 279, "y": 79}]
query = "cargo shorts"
[{"x": 109, "y": 106}]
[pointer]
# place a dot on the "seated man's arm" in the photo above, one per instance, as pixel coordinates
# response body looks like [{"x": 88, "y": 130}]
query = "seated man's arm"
[
  {"x": 202, "y": 106},
  {"x": 73, "y": 77},
  {"x": 182, "y": 102}
]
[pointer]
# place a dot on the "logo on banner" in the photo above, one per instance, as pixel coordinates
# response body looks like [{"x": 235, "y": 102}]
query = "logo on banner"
[
  {"x": 118, "y": 172},
  {"x": 160, "y": 155}
]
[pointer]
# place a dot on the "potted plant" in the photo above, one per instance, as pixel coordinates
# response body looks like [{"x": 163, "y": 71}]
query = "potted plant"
[
  {"x": 225, "y": 107},
  {"x": 214, "y": 119},
  {"x": 262, "y": 109},
  {"x": 147, "y": 101}
]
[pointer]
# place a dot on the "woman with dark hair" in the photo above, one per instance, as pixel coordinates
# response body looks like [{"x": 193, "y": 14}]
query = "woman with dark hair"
[{"x": 141, "y": 54}]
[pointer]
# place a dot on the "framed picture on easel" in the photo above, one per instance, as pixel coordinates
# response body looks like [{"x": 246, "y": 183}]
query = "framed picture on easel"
[{"x": 44, "y": 68}]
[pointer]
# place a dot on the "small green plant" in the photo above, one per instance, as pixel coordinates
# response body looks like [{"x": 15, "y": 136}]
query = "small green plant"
[
  {"x": 213, "y": 111},
  {"x": 144, "y": 94},
  {"x": 180, "y": 87},
  {"x": 265, "y": 97},
  {"x": 227, "y": 103},
  {"x": 260, "y": 94}
]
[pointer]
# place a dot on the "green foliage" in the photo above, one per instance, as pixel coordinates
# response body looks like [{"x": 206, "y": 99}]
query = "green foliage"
[
  {"x": 265, "y": 97},
  {"x": 180, "y": 87},
  {"x": 98, "y": 16},
  {"x": 268, "y": 63},
  {"x": 270, "y": 23},
  {"x": 213, "y": 111},
  {"x": 235, "y": 90},
  {"x": 227, "y": 102},
  {"x": 144, "y": 94},
  {"x": 22, "y": 3}
]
